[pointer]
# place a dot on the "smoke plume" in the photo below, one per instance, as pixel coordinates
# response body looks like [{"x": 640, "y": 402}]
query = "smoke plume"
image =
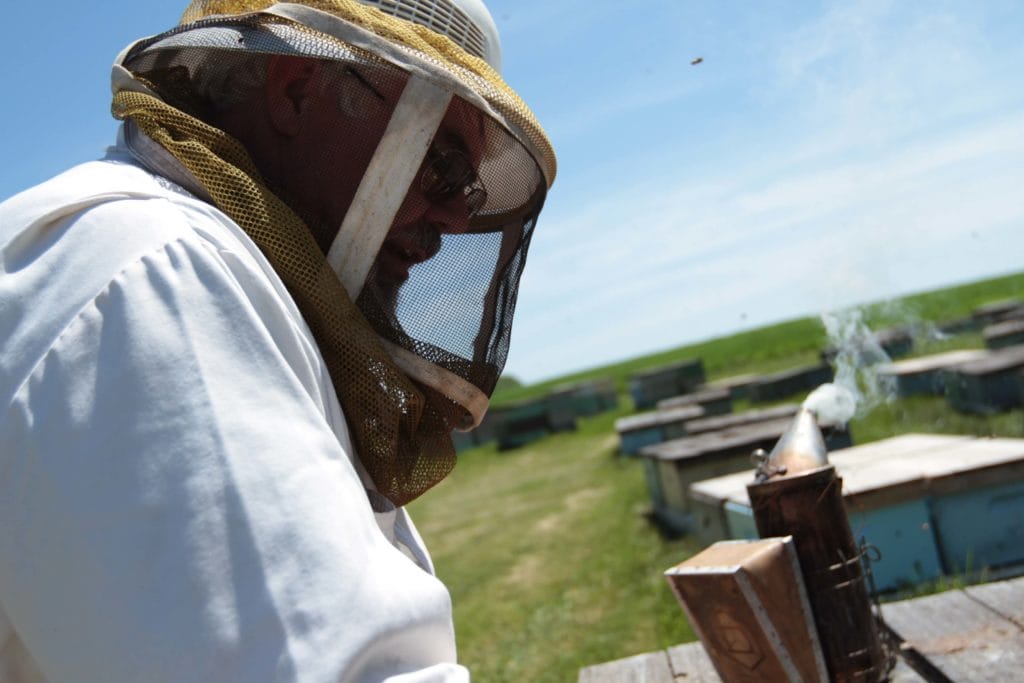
[{"x": 857, "y": 387}]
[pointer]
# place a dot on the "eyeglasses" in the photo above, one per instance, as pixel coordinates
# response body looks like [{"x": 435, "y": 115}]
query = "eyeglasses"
[{"x": 449, "y": 174}]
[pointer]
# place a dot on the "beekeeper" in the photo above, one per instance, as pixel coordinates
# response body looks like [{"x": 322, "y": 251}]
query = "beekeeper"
[{"x": 238, "y": 344}]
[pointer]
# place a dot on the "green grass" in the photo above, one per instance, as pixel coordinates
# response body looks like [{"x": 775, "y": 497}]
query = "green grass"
[
  {"x": 551, "y": 561},
  {"x": 550, "y": 558},
  {"x": 931, "y": 414},
  {"x": 791, "y": 343},
  {"x": 942, "y": 584},
  {"x": 766, "y": 349},
  {"x": 946, "y": 304}
]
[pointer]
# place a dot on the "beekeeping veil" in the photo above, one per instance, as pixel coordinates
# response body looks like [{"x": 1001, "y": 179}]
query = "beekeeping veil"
[{"x": 411, "y": 305}]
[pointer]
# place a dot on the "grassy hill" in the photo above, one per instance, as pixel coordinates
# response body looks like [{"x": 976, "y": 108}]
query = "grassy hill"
[{"x": 549, "y": 556}]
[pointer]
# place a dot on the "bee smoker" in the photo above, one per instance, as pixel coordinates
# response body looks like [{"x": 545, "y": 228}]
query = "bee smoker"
[{"x": 798, "y": 493}]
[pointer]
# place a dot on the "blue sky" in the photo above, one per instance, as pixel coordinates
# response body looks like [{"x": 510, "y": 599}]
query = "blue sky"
[{"x": 823, "y": 153}]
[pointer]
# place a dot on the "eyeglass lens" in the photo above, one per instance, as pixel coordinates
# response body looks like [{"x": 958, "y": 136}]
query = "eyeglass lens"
[{"x": 448, "y": 173}]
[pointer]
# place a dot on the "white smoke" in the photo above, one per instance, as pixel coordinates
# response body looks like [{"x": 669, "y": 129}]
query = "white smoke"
[
  {"x": 832, "y": 404},
  {"x": 857, "y": 387}
]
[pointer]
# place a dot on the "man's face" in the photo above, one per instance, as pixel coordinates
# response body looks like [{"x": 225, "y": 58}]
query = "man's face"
[
  {"x": 441, "y": 200},
  {"x": 323, "y": 178}
]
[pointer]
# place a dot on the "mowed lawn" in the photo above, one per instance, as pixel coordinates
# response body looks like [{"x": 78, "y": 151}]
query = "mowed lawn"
[{"x": 547, "y": 550}]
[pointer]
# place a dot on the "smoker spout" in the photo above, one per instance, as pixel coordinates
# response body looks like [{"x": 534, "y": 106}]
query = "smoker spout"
[{"x": 800, "y": 449}]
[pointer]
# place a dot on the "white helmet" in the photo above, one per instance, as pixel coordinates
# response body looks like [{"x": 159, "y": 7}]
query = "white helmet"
[{"x": 467, "y": 22}]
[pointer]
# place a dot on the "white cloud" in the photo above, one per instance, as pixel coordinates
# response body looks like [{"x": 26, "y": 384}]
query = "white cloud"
[
  {"x": 647, "y": 271},
  {"x": 883, "y": 158}
]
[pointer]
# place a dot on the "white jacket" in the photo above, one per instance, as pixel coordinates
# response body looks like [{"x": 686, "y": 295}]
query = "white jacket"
[{"x": 178, "y": 495}]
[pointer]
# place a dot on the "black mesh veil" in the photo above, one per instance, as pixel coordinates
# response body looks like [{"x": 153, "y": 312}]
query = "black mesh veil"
[
  {"x": 454, "y": 309},
  {"x": 432, "y": 321}
]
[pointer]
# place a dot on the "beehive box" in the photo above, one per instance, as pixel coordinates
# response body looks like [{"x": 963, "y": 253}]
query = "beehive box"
[
  {"x": 738, "y": 385},
  {"x": 926, "y": 374},
  {"x": 463, "y": 441},
  {"x": 959, "y": 326},
  {"x": 650, "y": 386},
  {"x": 719, "y": 422},
  {"x": 591, "y": 397},
  {"x": 996, "y": 311},
  {"x": 671, "y": 467},
  {"x": 654, "y": 427},
  {"x": 987, "y": 385},
  {"x": 485, "y": 432},
  {"x": 561, "y": 412},
  {"x": 714, "y": 401},
  {"x": 521, "y": 423},
  {"x": 1003, "y": 334},
  {"x": 781, "y": 385},
  {"x": 931, "y": 504}
]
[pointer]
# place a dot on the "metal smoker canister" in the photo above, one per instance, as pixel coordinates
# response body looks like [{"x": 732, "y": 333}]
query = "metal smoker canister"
[{"x": 798, "y": 493}]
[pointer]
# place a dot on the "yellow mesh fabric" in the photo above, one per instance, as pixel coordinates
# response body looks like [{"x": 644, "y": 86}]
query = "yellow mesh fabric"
[
  {"x": 401, "y": 430},
  {"x": 438, "y": 49}
]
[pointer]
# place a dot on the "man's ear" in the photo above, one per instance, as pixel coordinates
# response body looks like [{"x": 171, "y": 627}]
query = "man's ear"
[{"x": 290, "y": 83}]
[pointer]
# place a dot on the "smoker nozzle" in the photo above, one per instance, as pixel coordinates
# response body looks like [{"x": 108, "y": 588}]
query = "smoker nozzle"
[{"x": 800, "y": 449}]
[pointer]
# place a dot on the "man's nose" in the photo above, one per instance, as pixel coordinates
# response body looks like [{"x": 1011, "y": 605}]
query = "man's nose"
[{"x": 451, "y": 217}]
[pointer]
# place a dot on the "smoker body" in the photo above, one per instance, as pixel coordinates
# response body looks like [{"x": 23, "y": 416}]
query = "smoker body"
[
  {"x": 797, "y": 493},
  {"x": 809, "y": 506}
]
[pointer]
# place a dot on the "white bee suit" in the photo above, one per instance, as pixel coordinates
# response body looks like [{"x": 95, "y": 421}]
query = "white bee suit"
[{"x": 178, "y": 496}]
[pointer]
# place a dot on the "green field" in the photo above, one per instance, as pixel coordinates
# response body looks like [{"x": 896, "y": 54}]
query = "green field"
[{"x": 547, "y": 550}]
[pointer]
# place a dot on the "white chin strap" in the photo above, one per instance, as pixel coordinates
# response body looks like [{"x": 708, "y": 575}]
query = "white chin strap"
[{"x": 384, "y": 186}]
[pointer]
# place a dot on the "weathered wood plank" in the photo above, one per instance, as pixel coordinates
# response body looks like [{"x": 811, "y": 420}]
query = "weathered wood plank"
[
  {"x": 651, "y": 667},
  {"x": 960, "y": 637},
  {"x": 1004, "y": 597},
  {"x": 690, "y": 664}
]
